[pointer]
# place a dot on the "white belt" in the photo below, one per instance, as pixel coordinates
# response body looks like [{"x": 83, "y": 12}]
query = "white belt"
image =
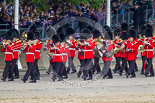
[
  {"x": 64, "y": 53},
  {"x": 8, "y": 53},
  {"x": 87, "y": 50},
  {"x": 57, "y": 54},
  {"x": 16, "y": 50},
  {"x": 30, "y": 53},
  {"x": 71, "y": 48},
  {"x": 37, "y": 50},
  {"x": 149, "y": 49}
]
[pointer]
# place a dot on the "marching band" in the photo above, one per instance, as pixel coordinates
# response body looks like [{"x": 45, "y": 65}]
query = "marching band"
[{"x": 90, "y": 44}]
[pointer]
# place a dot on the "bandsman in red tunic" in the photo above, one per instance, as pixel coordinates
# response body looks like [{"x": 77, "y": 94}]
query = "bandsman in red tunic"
[
  {"x": 7, "y": 49},
  {"x": 117, "y": 50},
  {"x": 29, "y": 49},
  {"x": 142, "y": 49},
  {"x": 71, "y": 51},
  {"x": 64, "y": 49},
  {"x": 16, "y": 46},
  {"x": 124, "y": 66},
  {"x": 131, "y": 48},
  {"x": 97, "y": 38},
  {"x": 88, "y": 54},
  {"x": 57, "y": 59},
  {"x": 107, "y": 49},
  {"x": 149, "y": 45}
]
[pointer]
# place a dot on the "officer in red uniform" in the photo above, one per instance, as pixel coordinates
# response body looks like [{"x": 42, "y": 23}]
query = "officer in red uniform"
[
  {"x": 131, "y": 47},
  {"x": 7, "y": 49},
  {"x": 96, "y": 35},
  {"x": 106, "y": 71},
  {"x": 149, "y": 45},
  {"x": 57, "y": 59},
  {"x": 47, "y": 48},
  {"x": 88, "y": 54},
  {"x": 64, "y": 49},
  {"x": 80, "y": 48},
  {"x": 124, "y": 66},
  {"x": 29, "y": 49},
  {"x": 16, "y": 46},
  {"x": 117, "y": 44},
  {"x": 71, "y": 51},
  {"x": 38, "y": 45},
  {"x": 143, "y": 52}
]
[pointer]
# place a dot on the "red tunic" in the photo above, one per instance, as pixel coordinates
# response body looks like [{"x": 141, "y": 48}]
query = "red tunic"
[
  {"x": 118, "y": 46},
  {"x": 88, "y": 52},
  {"x": 149, "y": 49},
  {"x": 111, "y": 46},
  {"x": 30, "y": 53},
  {"x": 38, "y": 48},
  {"x": 8, "y": 53},
  {"x": 143, "y": 53},
  {"x": 16, "y": 48},
  {"x": 71, "y": 51},
  {"x": 81, "y": 57},
  {"x": 57, "y": 56},
  {"x": 131, "y": 46},
  {"x": 64, "y": 51}
]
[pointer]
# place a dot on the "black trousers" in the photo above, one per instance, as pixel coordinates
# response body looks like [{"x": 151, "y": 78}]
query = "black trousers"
[
  {"x": 96, "y": 64},
  {"x": 15, "y": 67},
  {"x": 88, "y": 68},
  {"x": 82, "y": 64},
  {"x": 71, "y": 63},
  {"x": 124, "y": 65},
  {"x": 36, "y": 69},
  {"x": 8, "y": 70},
  {"x": 143, "y": 64},
  {"x": 30, "y": 71},
  {"x": 117, "y": 66},
  {"x": 131, "y": 70},
  {"x": 149, "y": 68},
  {"x": 57, "y": 67},
  {"x": 136, "y": 68},
  {"x": 64, "y": 71},
  {"x": 106, "y": 71}
]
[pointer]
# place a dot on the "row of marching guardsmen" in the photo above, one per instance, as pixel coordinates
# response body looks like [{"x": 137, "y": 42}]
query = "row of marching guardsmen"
[
  {"x": 91, "y": 44},
  {"x": 12, "y": 47}
]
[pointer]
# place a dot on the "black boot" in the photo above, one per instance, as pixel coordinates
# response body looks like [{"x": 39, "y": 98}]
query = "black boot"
[
  {"x": 90, "y": 78},
  {"x": 10, "y": 79},
  {"x": 23, "y": 80},
  {"x": 32, "y": 81},
  {"x": 3, "y": 79},
  {"x": 68, "y": 70}
]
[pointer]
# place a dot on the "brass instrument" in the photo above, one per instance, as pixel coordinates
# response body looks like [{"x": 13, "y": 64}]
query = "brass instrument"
[
  {"x": 3, "y": 43},
  {"x": 117, "y": 49},
  {"x": 24, "y": 35},
  {"x": 141, "y": 47}
]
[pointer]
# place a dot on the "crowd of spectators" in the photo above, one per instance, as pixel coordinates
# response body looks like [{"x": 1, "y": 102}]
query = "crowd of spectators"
[{"x": 57, "y": 11}]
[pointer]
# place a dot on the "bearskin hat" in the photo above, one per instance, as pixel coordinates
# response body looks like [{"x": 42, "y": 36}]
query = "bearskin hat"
[
  {"x": 124, "y": 36},
  {"x": 55, "y": 38},
  {"x": 30, "y": 36},
  {"x": 15, "y": 32},
  {"x": 86, "y": 34},
  {"x": 124, "y": 27},
  {"x": 9, "y": 35},
  {"x": 149, "y": 32},
  {"x": 108, "y": 34},
  {"x": 69, "y": 32},
  {"x": 96, "y": 34},
  {"x": 62, "y": 36},
  {"x": 149, "y": 26},
  {"x": 90, "y": 28},
  {"x": 142, "y": 30},
  {"x": 132, "y": 33}
]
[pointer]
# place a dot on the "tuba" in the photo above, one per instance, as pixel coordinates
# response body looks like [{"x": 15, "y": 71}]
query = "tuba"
[
  {"x": 3, "y": 43},
  {"x": 24, "y": 35}
]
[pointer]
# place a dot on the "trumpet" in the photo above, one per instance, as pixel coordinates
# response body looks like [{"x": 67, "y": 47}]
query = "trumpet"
[{"x": 3, "y": 43}]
